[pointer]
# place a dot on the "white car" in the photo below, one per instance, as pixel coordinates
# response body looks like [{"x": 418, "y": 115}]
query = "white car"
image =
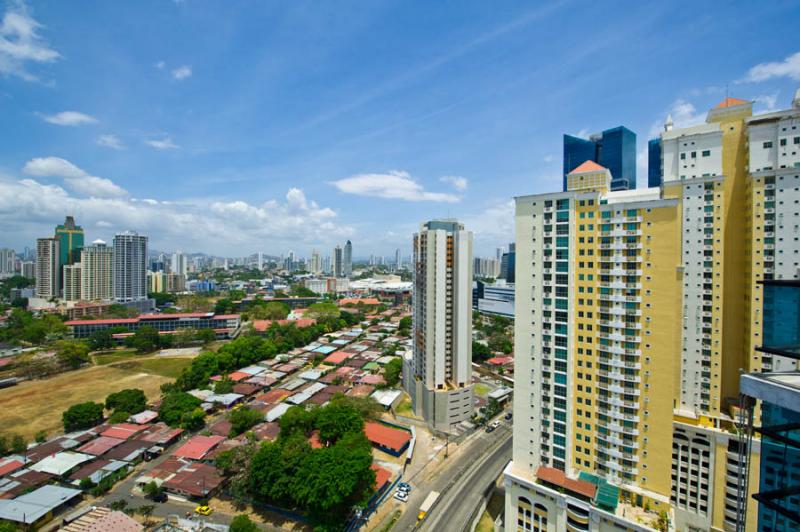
[
  {"x": 496, "y": 423},
  {"x": 401, "y": 496}
]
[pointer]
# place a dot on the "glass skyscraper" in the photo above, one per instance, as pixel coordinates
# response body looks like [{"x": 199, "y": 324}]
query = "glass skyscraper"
[
  {"x": 614, "y": 149},
  {"x": 654, "y": 178}
]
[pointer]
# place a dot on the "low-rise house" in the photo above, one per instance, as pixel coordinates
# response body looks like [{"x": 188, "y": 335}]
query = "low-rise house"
[
  {"x": 39, "y": 506},
  {"x": 198, "y": 447},
  {"x": 61, "y": 464}
]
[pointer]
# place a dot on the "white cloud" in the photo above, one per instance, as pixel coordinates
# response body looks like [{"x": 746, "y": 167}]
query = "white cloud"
[
  {"x": 683, "y": 113},
  {"x": 391, "y": 185},
  {"x": 110, "y": 141},
  {"x": 459, "y": 183},
  {"x": 162, "y": 144},
  {"x": 788, "y": 68},
  {"x": 21, "y": 44},
  {"x": 75, "y": 177},
  {"x": 549, "y": 159},
  {"x": 28, "y": 208},
  {"x": 767, "y": 102},
  {"x": 160, "y": 65},
  {"x": 68, "y": 118},
  {"x": 583, "y": 133},
  {"x": 493, "y": 226},
  {"x": 182, "y": 72}
]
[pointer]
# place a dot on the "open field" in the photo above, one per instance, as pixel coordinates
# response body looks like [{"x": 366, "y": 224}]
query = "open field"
[
  {"x": 169, "y": 367},
  {"x": 37, "y": 405},
  {"x": 108, "y": 357}
]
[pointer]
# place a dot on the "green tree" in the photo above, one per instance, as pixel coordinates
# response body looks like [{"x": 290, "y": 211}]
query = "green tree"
[
  {"x": 174, "y": 405},
  {"x": 119, "y": 416},
  {"x": 144, "y": 340},
  {"x": 336, "y": 420},
  {"x": 242, "y": 523},
  {"x": 193, "y": 420},
  {"x": 480, "y": 352},
  {"x": 224, "y": 385},
  {"x": 82, "y": 416},
  {"x": 297, "y": 419},
  {"x": 131, "y": 400},
  {"x": 243, "y": 419},
  {"x": 72, "y": 353},
  {"x": 41, "y": 436},
  {"x": 102, "y": 339},
  {"x": 206, "y": 336},
  {"x": 184, "y": 337},
  {"x": 18, "y": 444},
  {"x": 119, "y": 505},
  {"x": 146, "y": 510},
  {"x": 162, "y": 298},
  {"x": 301, "y": 291},
  {"x": 152, "y": 490},
  {"x": 323, "y": 310},
  {"x": 392, "y": 371},
  {"x": 499, "y": 341}
]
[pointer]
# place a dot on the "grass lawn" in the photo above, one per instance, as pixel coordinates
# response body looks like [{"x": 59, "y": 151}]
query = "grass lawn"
[
  {"x": 404, "y": 408},
  {"x": 37, "y": 405},
  {"x": 170, "y": 367},
  {"x": 481, "y": 389},
  {"x": 107, "y": 357},
  {"x": 486, "y": 524}
]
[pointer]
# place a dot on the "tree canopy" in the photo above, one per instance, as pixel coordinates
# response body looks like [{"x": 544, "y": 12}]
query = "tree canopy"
[
  {"x": 174, "y": 405},
  {"x": 82, "y": 416},
  {"x": 131, "y": 400},
  {"x": 392, "y": 371}
]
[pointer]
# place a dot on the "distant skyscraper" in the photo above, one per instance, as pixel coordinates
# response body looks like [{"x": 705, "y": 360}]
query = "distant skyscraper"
[
  {"x": 97, "y": 263},
  {"x": 28, "y": 269},
  {"x": 48, "y": 275},
  {"x": 654, "y": 178},
  {"x": 348, "y": 259},
  {"x": 71, "y": 281},
  {"x": 316, "y": 263},
  {"x": 8, "y": 259},
  {"x": 508, "y": 263},
  {"x": 260, "y": 261},
  {"x": 614, "y": 149},
  {"x": 71, "y": 241},
  {"x": 178, "y": 264},
  {"x": 130, "y": 267},
  {"x": 338, "y": 262},
  {"x": 398, "y": 259},
  {"x": 439, "y": 376}
]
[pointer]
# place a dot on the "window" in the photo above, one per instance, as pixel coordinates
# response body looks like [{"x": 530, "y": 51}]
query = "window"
[
  {"x": 683, "y": 156},
  {"x": 783, "y": 142},
  {"x": 767, "y": 144},
  {"x": 706, "y": 153}
]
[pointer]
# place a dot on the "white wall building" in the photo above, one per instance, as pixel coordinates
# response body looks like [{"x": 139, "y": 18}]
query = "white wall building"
[
  {"x": 438, "y": 377},
  {"x": 97, "y": 263},
  {"x": 48, "y": 278},
  {"x": 130, "y": 267}
]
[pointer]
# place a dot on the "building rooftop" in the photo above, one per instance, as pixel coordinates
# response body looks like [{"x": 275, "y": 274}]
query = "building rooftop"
[
  {"x": 31, "y": 507},
  {"x": 386, "y": 436},
  {"x": 560, "y": 479},
  {"x": 197, "y": 447},
  {"x": 62, "y": 463},
  {"x": 588, "y": 166},
  {"x": 730, "y": 102}
]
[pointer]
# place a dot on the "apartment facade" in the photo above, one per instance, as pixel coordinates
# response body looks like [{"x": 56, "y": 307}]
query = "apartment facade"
[
  {"x": 662, "y": 286},
  {"x": 97, "y": 263},
  {"x": 48, "y": 274},
  {"x": 438, "y": 376},
  {"x": 130, "y": 267}
]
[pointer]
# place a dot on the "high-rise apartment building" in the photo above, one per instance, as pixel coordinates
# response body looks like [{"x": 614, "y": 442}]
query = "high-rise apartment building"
[
  {"x": 614, "y": 149},
  {"x": 28, "y": 269},
  {"x": 316, "y": 263},
  {"x": 398, "y": 259},
  {"x": 71, "y": 282},
  {"x": 178, "y": 263},
  {"x": 48, "y": 274},
  {"x": 438, "y": 376},
  {"x": 97, "y": 263},
  {"x": 634, "y": 307},
  {"x": 130, "y": 267},
  {"x": 337, "y": 262},
  {"x": 70, "y": 237},
  {"x": 654, "y": 176},
  {"x": 8, "y": 260},
  {"x": 347, "y": 265}
]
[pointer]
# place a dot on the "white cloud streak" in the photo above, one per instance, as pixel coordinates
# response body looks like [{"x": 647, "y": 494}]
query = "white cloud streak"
[
  {"x": 391, "y": 185},
  {"x": 77, "y": 179},
  {"x": 28, "y": 207},
  {"x": 162, "y": 144},
  {"x": 788, "y": 68},
  {"x": 68, "y": 118},
  {"x": 110, "y": 141},
  {"x": 182, "y": 72},
  {"x": 457, "y": 182},
  {"x": 21, "y": 44}
]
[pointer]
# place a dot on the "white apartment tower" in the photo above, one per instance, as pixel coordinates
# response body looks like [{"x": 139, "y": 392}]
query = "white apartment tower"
[
  {"x": 8, "y": 258},
  {"x": 347, "y": 264},
  {"x": 48, "y": 279},
  {"x": 178, "y": 264},
  {"x": 97, "y": 263},
  {"x": 438, "y": 376},
  {"x": 130, "y": 267},
  {"x": 338, "y": 262},
  {"x": 71, "y": 281}
]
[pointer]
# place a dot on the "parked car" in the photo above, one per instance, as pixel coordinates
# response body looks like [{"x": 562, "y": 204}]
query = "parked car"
[
  {"x": 159, "y": 497},
  {"x": 490, "y": 428},
  {"x": 405, "y": 486},
  {"x": 495, "y": 423},
  {"x": 509, "y": 415},
  {"x": 204, "y": 510},
  {"x": 401, "y": 496}
]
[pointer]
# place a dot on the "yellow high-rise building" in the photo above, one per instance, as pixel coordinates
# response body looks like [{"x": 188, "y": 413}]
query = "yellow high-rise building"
[{"x": 636, "y": 311}]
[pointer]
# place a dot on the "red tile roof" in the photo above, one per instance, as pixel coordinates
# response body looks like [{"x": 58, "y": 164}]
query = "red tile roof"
[
  {"x": 588, "y": 166},
  {"x": 263, "y": 325},
  {"x": 382, "y": 476},
  {"x": 730, "y": 102},
  {"x": 356, "y": 301},
  {"x": 337, "y": 357},
  {"x": 199, "y": 446},
  {"x": 385, "y": 436},
  {"x": 197, "y": 480},
  {"x": 7, "y": 465},
  {"x": 559, "y": 478},
  {"x": 99, "y": 446},
  {"x": 237, "y": 376},
  {"x": 124, "y": 431},
  {"x": 500, "y": 361}
]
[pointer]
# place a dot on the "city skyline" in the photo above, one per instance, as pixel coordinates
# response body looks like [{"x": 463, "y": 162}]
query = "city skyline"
[{"x": 223, "y": 182}]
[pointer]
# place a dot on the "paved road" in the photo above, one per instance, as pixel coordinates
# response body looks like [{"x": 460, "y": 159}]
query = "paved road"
[
  {"x": 486, "y": 455},
  {"x": 455, "y": 508}
]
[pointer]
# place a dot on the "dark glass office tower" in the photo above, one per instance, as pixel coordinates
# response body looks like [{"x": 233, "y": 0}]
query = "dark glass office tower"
[
  {"x": 654, "y": 176},
  {"x": 614, "y": 149}
]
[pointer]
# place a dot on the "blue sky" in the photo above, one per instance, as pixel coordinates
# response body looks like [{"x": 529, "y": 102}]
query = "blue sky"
[{"x": 242, "y": 126}]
